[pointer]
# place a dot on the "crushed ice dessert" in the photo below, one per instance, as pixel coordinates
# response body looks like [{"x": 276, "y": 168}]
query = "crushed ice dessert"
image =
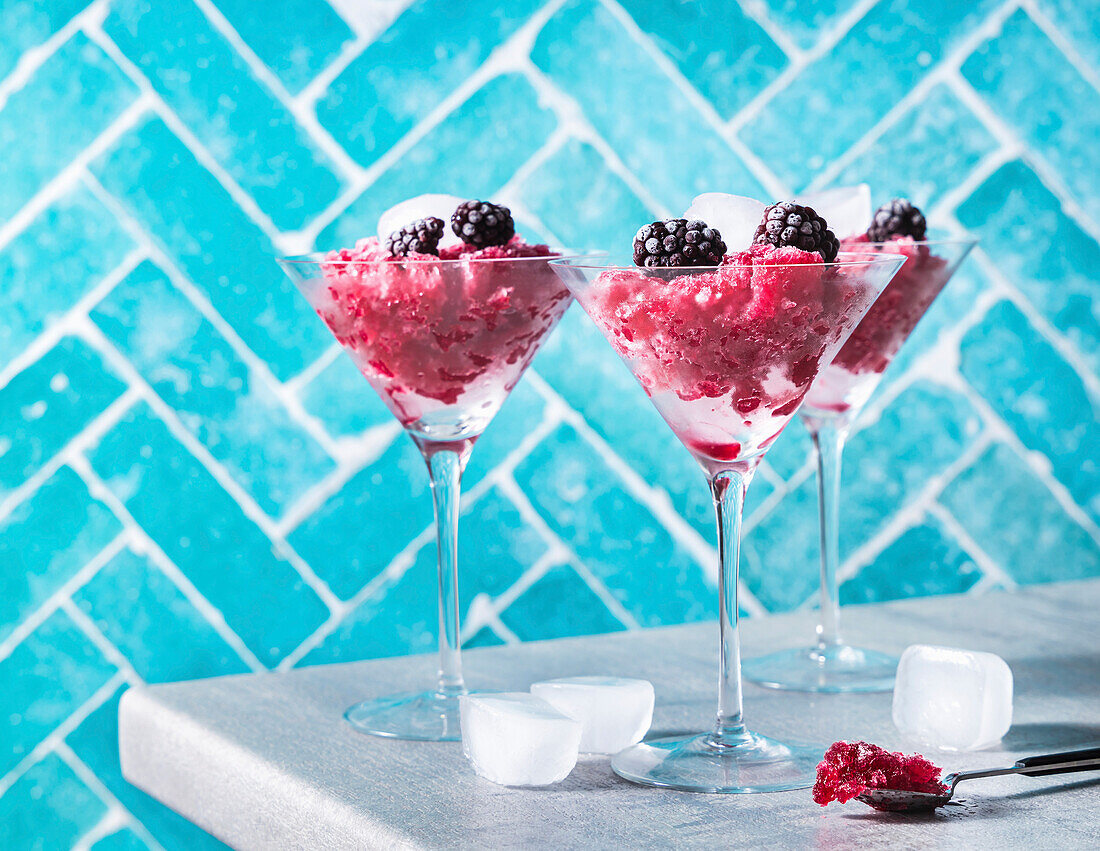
[
  {"x": 897, "y": 227},
  {"x": 434, "y": 323},
  {"x": 850, "y": 768},
  {"x": 727, "y": 352}
]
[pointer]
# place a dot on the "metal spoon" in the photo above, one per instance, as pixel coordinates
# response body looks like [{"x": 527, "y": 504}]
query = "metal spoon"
[{"x": 898, "y": 800}]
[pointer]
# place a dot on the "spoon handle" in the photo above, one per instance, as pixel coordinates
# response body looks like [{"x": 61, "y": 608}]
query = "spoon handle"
[{"x": 1061, "y": 763}]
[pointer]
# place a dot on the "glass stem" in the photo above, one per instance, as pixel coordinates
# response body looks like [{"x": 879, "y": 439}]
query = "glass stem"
[
  {"x": 828, "y": 438},
  {"x": 728, "y": 488},
  {"x": 446, "y": 461}
]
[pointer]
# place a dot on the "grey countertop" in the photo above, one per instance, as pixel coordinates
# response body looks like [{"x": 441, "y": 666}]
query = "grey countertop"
[{"x": 265, "y": 761}]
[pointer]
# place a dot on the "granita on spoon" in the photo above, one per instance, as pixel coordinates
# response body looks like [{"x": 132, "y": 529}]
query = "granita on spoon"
[{"x": 850, "y": 768}]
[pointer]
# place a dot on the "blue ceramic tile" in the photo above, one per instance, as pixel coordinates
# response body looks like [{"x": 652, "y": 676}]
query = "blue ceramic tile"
[
  {"x": 61, "y": 255},
  {"x": 360, "y": 529},
  {"x": 806, "y": 21},
  {"x": 48, "y": 807},
  {"x": 28, "y": 23},
  {"x": 48, "y": 404},
  {"x": 585, "y": 204},
  {"x": 839, "y": 97},
  {"x": 1044, "y": 252},
  {"x": 340, "y": 397},
  {"x": 504, "y": 116},
  {"x": 144, "y": 614},
  {"x": 637, "y": 108},
  {"x": 1078, "y": 23},
  {"x": 69, "y": 101},
  {"x": 120, "y": 840},
  {"x": 47, "y": 677},
  {"x": 409, "y": 69},
  {"x": 559, "y": 605},
  {"x": 1040, "y": 397},
  {"x": 888, "y": 463},
  {"x": 521, "y": 414},
  {"x": 951, "y": 305},
  {"x": 725, "y": 54},
  {"x": 495, "y": 547},
  {"x": 581, "y": 366},
  {"x": 582, "y": 76},
  {"x": 207, "y": 535},
  {"x": 45, "y": 541},
  {"x": 238, "y": 120},
  {"x": 159, "y": 181},
  {"x": 311, "y": 36},
  {"x": 1045, "y": 99},
  {"x": 229, "y": 408},
  {"x": 400, "y": 618},
  {"x": 95, "y": 741},
  {"x": 924, "y": 152},
  {"x": 1043, "y": 543},
  {"x": 620, "y": 541},
  {"x": 780, "y": 556},
  {"x": 923, "y": 561}
]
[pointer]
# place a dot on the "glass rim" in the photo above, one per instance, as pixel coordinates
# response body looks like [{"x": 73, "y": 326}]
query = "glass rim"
[
  {"x": 852, "y": 259},
  {"x": 945, "y": 240},
  {"x": 319, "y": 258}
]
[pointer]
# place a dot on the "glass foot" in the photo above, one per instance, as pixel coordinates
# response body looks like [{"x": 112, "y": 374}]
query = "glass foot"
[
  {"x": 837, "y": 670},
  {"x": 693, "y": 764},
  {"x": 429, "y": 716}
]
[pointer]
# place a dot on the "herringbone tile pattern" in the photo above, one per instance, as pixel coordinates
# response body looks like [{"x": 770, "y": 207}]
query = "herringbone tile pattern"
[{"x": 193, "y": 481}]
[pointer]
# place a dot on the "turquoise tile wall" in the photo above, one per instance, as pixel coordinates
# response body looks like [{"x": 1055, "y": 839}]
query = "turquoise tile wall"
[{"x": 155, "y": 157}]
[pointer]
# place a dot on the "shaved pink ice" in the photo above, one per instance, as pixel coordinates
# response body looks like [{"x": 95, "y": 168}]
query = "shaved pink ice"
[
  {"x": 428, "y": 333},
  {"x": 728, "y": 355},
  {"x": 852, "y": 376}
]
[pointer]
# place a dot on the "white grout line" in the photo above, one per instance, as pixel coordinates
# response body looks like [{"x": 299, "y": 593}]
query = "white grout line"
[
  {"x": 64, "y": 592},
  {"x": 530, "y": 515},
  {"x": 142, "y": 544},
  {"x": 947, "y": 68},
  {"x": 57, "y": 736},
  {"x": 249, "y": 507},
  {"x": 69, "y": 176},
  {"x": 65, "y": 326},
  {"x": 1064, "y": 45},
  {"x": 306, "y": 118},
  {"x": 259, "y": 369},
  {"x": 703, "y": 106},
  {"x": 118, "y": 816},
  {"x": 90, "y": 434},
  {"x": 35, "y": 57},
  {"x": 989, "y": 567}
]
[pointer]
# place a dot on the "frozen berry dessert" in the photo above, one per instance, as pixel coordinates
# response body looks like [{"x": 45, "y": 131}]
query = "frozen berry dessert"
[
  {"x": 727, "y": 351},
  {"x": 433, "y": 327},
  {"x": 850, "y": 768},
  {"x": 897, "y": 228}
]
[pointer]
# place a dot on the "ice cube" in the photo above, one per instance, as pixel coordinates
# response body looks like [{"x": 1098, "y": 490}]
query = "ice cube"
[
  {"x": 846, "y": 209},
  {"x": 955, "y": 700},
  {"x": 735, "y": 216},
  {"x": 517, "y": 739},
  {"x": 421, "y": 207},
  {"x": 614, "y": 712}
]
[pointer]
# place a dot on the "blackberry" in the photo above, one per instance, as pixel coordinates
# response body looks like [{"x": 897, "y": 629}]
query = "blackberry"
[
  {"x": 422, "y": 237},
  {"x": 787, "y": 223},
  {"x": 897, "y": 218},
  {"x": 482, "y": 224},
  {"x": 678, "y": 242}
]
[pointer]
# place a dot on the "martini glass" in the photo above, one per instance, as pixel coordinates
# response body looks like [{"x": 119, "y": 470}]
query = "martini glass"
[
  {"x": 726, "y": 355},
  {"x": 442, "y": 342},
  {"x": 838, "y": 395}
]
